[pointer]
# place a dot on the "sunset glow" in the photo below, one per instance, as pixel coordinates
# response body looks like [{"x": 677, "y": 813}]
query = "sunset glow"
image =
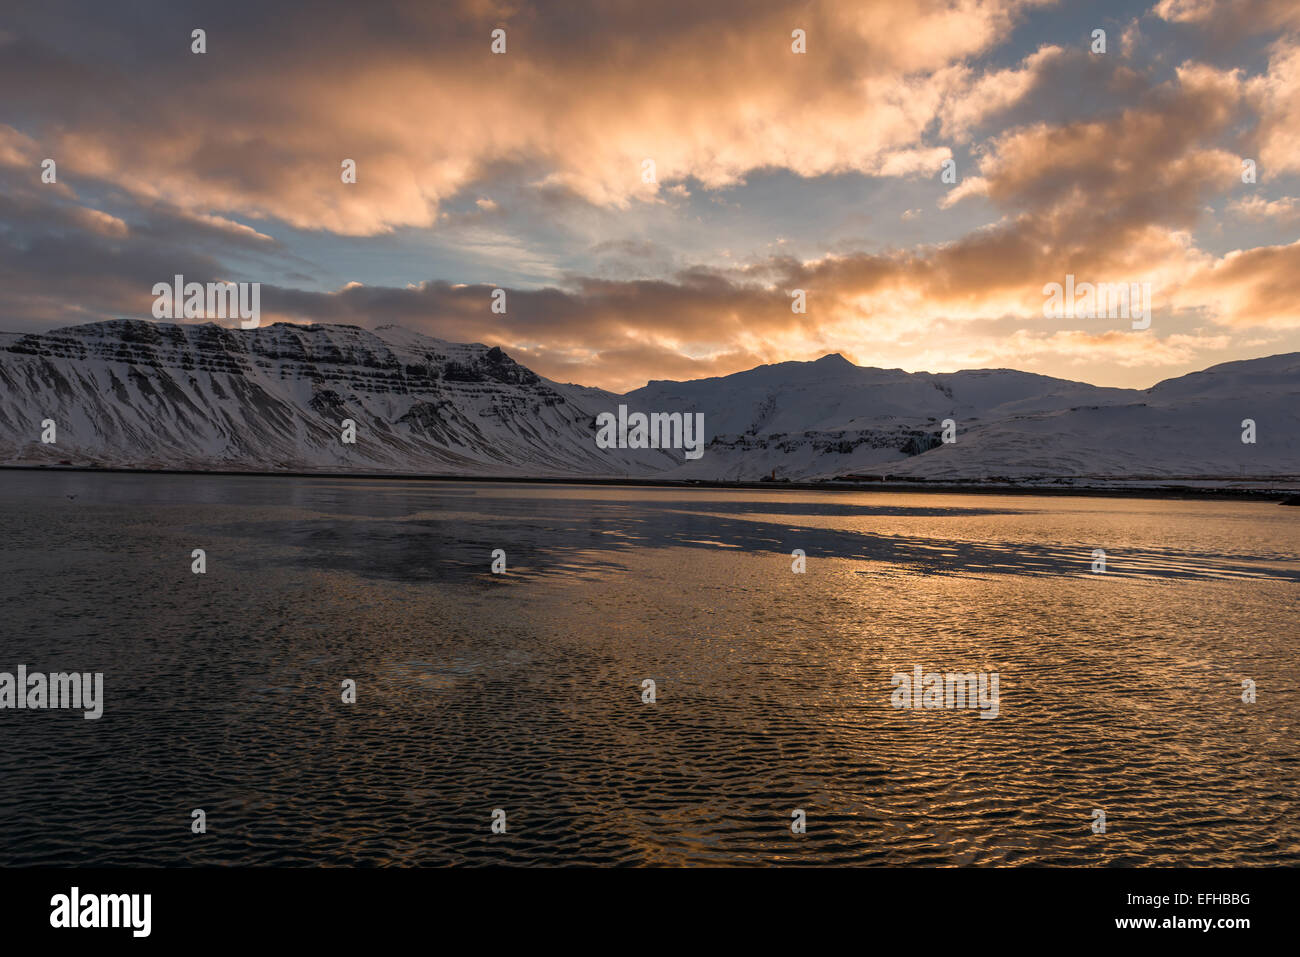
[{"x": 773, "y": 170}]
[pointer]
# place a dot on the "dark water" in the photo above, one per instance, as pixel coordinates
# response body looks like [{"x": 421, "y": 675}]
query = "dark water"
[{"x": 522, "y": 692}]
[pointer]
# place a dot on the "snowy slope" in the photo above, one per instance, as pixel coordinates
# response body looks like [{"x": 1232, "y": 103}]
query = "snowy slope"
[
  {"x": 1189, "y": 427},
  {"x": 829, "y": 418}
]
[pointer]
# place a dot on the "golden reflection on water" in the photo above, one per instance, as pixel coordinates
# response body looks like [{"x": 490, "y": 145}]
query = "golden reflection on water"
[{"x": 523, "y": 691}]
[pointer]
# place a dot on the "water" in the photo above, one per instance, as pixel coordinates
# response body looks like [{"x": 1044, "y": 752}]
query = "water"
[{"x": 522, "y": 692}]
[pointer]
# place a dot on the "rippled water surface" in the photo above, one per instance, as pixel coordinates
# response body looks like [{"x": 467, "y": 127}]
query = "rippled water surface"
[{"x": 1119, "y": 691}]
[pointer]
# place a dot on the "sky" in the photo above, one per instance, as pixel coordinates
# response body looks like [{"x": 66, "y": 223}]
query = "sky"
[{"x": 649, "y": 183}]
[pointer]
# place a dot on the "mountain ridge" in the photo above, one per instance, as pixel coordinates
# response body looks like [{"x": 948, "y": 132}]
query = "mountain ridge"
[{"x": 142, "y": 394}]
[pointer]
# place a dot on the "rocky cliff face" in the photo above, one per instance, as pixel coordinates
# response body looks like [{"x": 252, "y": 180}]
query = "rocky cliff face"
[{"x": 145, "y": 394}]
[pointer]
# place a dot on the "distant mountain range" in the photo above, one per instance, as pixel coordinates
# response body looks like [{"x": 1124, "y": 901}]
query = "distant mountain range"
[{"x": 140, "y": 394}]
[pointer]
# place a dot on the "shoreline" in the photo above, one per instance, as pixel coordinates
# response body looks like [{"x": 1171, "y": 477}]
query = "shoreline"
[{"x": 1165, "y": 489}]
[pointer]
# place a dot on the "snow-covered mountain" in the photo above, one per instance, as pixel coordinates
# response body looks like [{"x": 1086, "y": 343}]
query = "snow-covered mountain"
[
  {"x": 1188, "y": 427},
  {"x": 162, "y": 395},
  {"x": 158, "y": 395},
  {"x": 832, "y": 419}
]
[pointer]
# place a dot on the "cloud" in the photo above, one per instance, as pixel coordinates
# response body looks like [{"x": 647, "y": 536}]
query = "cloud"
[
  {"x": 260, "y": 124},
  {"x": 63, "y": 260},
  {"x": 1248, "y": 287},
  {"x": 976, "y": 97},
  {"x": 1237, "y": 16},
  {"x": 1256, "y": 208},
  {"x": 1276, "y": 97}
]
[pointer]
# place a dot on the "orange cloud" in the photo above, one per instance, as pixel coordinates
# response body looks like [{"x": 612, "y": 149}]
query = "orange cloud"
[{"x": 584, "y": 98}]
